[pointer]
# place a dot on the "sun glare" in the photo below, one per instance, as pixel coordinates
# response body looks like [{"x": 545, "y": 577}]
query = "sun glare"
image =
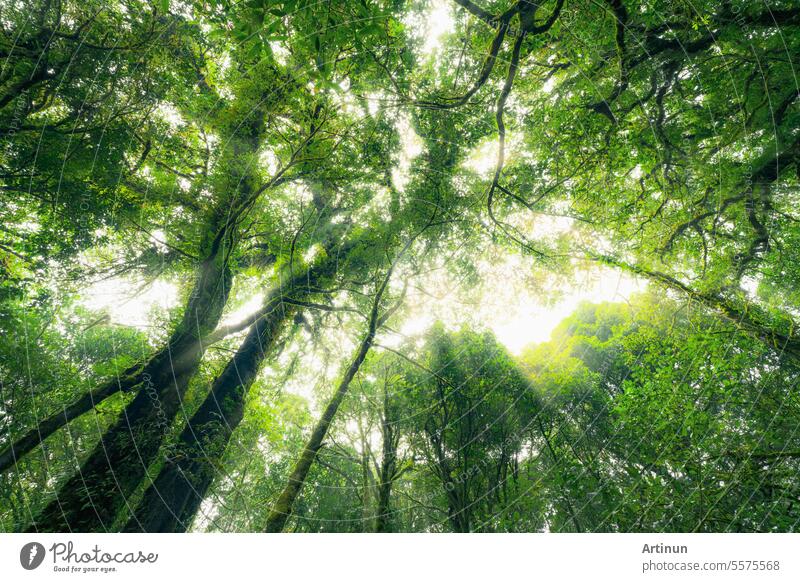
[
  {"x": 516, "y": 310},
  {"x": 128, "y": 302},
  {"x": 431, "y": 26},
  {"x": 532, "y": 322},
  {"x": 412, "y": 146}
]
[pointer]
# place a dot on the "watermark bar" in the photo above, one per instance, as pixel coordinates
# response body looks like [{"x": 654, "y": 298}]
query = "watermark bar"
[{"x": 414, "y": 557}]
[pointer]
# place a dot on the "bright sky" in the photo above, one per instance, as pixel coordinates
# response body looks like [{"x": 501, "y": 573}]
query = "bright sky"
[
  {"x": 509, "y": 306},
  {"x": 432, "y": 25},
  {"x": 517, "y": 310},
  {"x": 531, "y": 322},
  {"x": 129, "y": 304}
]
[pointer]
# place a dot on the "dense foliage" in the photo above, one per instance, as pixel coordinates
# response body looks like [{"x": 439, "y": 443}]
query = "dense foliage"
[{"x": 253, "y": 256}]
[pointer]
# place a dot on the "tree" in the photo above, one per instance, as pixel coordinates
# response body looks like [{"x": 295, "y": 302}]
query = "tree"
[
  {"x": 316, "y": 183},
  {"x": 466, "y": 422}
]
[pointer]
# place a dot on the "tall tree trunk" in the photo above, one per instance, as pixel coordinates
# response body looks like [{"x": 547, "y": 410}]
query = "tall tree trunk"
[
  {"x": 172, "y": 500},
  {"x": 388, "y": 468},
  {"x": 368, "y": 487},
  {"x": 459, "y": 506},
  {"x": 383, "y": 517},
  {"x": 459, "y": 517},
  {"x": 91, "y": 499},
  {"x": 131, "y": 380},
  {"x": 283, "y": 506}
]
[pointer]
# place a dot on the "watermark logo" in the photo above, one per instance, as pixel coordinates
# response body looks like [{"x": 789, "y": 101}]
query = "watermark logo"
[{"x": 31, "y": 555}]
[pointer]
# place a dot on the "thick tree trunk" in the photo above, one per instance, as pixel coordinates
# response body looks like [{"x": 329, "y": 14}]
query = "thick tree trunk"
[
  {"x": 383, "y": 517},
  {"x": 459, "y": 518},
  {"x": 130, "y": 380},
  {"x": 172, "y": 500},
  {"x": 459, "y": 506},
  {"x": 173, "y": 365},
  {"x": 92, "y": 498}
]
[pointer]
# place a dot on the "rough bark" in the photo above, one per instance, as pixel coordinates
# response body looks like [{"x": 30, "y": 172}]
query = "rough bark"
[
  {"x": 171, "y": 501},
  {"x": 388, "y": 466},
  {"x": 457, "y": 493},
  {"x": 91, "y": 499},
  {"x": 130, "y": 380},
  {"x": 383, "y": 517}
]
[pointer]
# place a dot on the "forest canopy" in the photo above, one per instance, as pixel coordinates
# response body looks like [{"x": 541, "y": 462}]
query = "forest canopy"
[{"x": 399, "y": 266}]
